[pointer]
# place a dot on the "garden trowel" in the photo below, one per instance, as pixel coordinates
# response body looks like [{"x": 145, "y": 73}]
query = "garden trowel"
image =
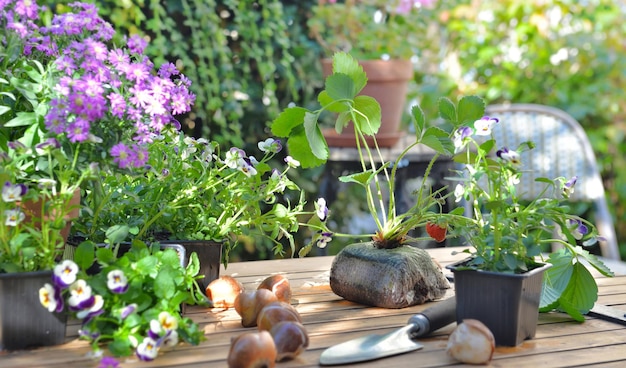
[{"x": 396, "y": 342}]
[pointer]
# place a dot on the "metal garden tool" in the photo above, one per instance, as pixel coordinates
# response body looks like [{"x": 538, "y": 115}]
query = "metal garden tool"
[{"x": 396, "y": 342}]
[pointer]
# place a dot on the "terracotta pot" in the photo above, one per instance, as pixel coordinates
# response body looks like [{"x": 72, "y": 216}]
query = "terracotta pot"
[
  {"x": 33, "y": 209},
  {"x": 387, "y": 82}
]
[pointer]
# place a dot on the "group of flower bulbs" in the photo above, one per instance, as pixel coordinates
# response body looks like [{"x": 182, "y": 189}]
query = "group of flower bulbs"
[{"x": 280, "y": 334}]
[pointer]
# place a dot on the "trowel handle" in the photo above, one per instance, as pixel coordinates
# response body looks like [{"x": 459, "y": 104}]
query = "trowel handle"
[{"x": 434, "y": 318}]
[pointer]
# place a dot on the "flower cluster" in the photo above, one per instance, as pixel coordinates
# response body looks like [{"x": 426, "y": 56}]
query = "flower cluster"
[
  {"x": 369, "y": 29},
  {"x": 133, "y": 302},
  {"x": 74, "y": 108},
  {"x": 508, "y": 232}
]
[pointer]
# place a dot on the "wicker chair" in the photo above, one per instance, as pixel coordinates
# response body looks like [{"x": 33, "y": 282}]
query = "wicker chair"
[{"x": 562, "y": 149}]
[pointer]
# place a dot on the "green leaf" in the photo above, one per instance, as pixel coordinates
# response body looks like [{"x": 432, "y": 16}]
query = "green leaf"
[
  {"x": 300, "y": 150},
  {"x": 342, "y": 121},
  {"x": 344, "y": 63},
  {"x": 557, "y": 277},
  {"x": 447, "y": 110},
  {"x": 581, "y": 292},
  {"x": 291, "y": 117},
  {"x": 331, "y": 105},
  {"x": 85, "y": 254},
  {"x": 22, "y": 119},
  {"x": 362, "y": 178},
  {"x": 471, "y": 108},
  {"x": 314, "y": 136},
  {"x": 147, "y": 265},
  {"x": 193, "y": 267},
  {"x": 594, "y": 262},
  {"x": 370, "y": 118},
  {"x": 164, "y": 286},
  {"x": 419, "y": 120},
  {"x": 438, "y": 140},
  {"x": 117, "y": 233},
  {"x": 340, "y": 87}
]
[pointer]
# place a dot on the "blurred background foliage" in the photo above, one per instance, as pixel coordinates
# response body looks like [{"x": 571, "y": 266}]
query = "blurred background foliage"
[{"x": 248, "y": 59}]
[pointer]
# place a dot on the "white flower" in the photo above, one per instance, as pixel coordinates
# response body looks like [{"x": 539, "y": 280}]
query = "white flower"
[
  {"x": 117, "y": 281},
  {"x": 148, "y": 349},
  {"x": 80, "y": 295},
  {"x": 167, "y": 321},
  {"x": 484, "y": 125},
  {"x": 47, "y": 297},
  {"x": 65, "y": 273},
  {"x": 13, "y": 217},
  {"x": 292, "y": 162}
]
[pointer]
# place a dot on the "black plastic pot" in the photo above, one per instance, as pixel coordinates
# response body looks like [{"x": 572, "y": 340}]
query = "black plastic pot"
[
  {"x": 24, "y": 322},
  {"x": 508, "y": 304},
  {"x": 209, "y": 254}
]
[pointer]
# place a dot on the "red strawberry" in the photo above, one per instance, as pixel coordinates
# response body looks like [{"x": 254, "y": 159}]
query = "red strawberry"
[{"x": 436, "y": 231}]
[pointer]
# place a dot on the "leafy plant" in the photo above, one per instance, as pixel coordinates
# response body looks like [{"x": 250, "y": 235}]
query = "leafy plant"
[
  {"x": 307, "y": 144},
  {"x": 191, "y": 189},
  {"x": 132, "y": 303}
]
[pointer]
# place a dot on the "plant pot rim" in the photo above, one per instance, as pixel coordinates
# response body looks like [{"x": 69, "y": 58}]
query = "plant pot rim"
[{"x": 458, "y": 267}]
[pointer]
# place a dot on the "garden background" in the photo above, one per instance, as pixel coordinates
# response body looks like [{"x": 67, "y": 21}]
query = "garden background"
[{"x": 249, "y": 59}]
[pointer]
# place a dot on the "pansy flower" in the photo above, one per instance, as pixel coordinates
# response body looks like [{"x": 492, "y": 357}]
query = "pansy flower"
[
  {"x": 80, "y": 296},
  {"x": 170, "y": 339},
  {"x": 117, "y": 281},
  {"x": 167, "y": 321},
  {"x": 234, "y": 158},
  {"x": 510, "y": 156},
  {"x": 484, "y": 125},
  {"x": 65, "y": 273},
  {"x": 321, "y": 209},
  {"x": 292, "y": 162},
  {"x": 13, "y": 192},
  {"x": 324, "y": 239},
  {"x": 460, "y": 136},
  {"x": 127, "y": 310},
  {"x": 147, "y": 350},
  {"x": 568, "y": 187},
  {"x": 50, "y": 298},
  {"x": 270, "y": 145},
  {"x": 13, "y": 217},
  {"x": 95, "y": 309}
]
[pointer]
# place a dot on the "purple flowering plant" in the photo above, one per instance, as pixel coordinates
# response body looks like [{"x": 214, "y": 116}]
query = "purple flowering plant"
[
  {"x": 369, "y": 29},
  {"x": 508, "y": 234},
  {"x": 132, "y": 305},
  {"x": 74, "y": 108}
]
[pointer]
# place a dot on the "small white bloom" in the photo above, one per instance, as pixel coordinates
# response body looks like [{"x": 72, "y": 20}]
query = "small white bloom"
[
  {"x": 80, "y": 292},
  {"x": 167, "y": 321},
  {"x": 483, "y": 126},
  {"x": 148, "y": 349},
  {"x": 117, "y": 281},
  {"x": 459, "y": 192},
  {"x": 46, "y": 297},
  {"x": 95, "y": 309},
  {"x": 292, "y": 162},
  {"x": 13, "y": 217},
  {"x": 65, "y": 273}
]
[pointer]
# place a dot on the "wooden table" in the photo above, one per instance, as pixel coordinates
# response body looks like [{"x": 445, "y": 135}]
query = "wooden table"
[{"x": 559, "y": 342}]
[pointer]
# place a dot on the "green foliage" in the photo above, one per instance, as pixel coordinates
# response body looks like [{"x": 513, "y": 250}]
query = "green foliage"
[{"x": 157, "y": 286}]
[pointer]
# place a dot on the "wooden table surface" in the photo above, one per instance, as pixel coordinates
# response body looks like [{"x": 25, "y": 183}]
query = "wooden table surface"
[{"x": 329, "y": 320}]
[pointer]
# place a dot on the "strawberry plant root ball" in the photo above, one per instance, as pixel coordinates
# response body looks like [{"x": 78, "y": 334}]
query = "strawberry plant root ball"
[{"x": 389, "y": 278}]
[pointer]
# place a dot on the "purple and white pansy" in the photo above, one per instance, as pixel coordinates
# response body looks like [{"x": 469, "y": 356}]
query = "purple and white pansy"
[{"x": 117, "y": 282}]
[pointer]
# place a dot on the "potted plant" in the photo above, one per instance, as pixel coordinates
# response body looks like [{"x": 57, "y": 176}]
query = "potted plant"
[
  {"x": 383, "y": 36},
  {"x": 71, "y": 110},
  {"x": 363, "y": 272},
  {"x": 191, "y": 192},
  {"x": 132, "y": 304},
  {"x": 507, "y": 237}
]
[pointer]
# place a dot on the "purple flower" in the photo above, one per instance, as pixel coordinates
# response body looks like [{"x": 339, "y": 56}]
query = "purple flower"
[
  {"x": 324, "y": 239},
  {"x": 128, "y": 310},
  {"x": 568, "y": 187},
  {"x": 108, "y": 362},
  {"x": 122, "y": 155},
  {"x": 147, "y": 350},
  {"x": 509, "y": 156},
  {"x": 484, "y": 125},
  {"x": 117, "y": 281},
  {"x": 321, "y": 209},
  {"x": 65, "y": 274},
  {"x": 50, "y": 298},
  {"x": 13, "y": 192},
  {"x": 80, "y": 296},
  {"x": 137, "y": 44}
]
